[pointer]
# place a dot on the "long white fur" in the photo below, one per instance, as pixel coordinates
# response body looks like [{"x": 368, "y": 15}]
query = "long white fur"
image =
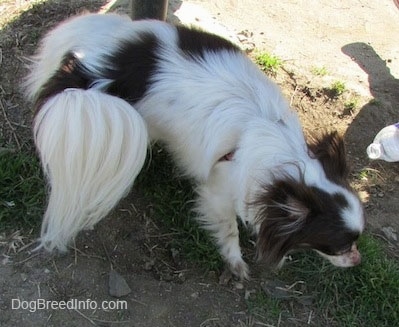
[
  {"x": 237, "y": 108},
  {"x": 91, "y": 155}
]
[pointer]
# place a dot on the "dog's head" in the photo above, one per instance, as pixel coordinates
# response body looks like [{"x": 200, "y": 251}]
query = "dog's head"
[{"x": 296, "y": 214}]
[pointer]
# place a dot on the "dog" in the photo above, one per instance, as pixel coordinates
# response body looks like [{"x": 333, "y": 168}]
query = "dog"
[{"x": 105, "y": 87}]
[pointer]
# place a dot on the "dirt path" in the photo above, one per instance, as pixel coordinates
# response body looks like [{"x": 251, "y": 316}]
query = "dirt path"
[
  {"x": 312, "y": 33},
  {"x": 356, "y": 41}
]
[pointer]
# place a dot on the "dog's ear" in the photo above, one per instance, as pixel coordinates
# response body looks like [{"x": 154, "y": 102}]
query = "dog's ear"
[
  {"x": 282, "y": 211},
  {"x": 329, "y": 149}
]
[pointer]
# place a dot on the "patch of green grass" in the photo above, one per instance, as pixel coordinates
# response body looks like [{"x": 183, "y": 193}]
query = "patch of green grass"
[
  {"x": 375, "y": 102},
  {"x": 366, "y": 295},
  {"x": 351, "y": 104},
  {"x": 264, "y": 308},
  {"x": 370, "y": 175},
  {"x": 268, "y": 63},
  {"x": 319, "y": 71},
  {"x": 336, "y": 89},
  {"x": 172, "y": 199},
  {"x": 363, "y": 175},
  {"x": 22, "y": 191},
  {"x": 349, "y": 107}
]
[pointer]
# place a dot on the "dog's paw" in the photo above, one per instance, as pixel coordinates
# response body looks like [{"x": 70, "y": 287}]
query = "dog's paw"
[
  {"x": 235, "y": 270},
  {"x": 239, "y": 269}
]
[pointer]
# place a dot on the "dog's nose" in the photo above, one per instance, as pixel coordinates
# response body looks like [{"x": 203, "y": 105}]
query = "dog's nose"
[{"x": 354, "y": 255}]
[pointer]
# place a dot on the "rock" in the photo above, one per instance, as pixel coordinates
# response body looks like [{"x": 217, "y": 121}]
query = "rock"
[
  {"x": 276, "y": 289},
  {"x": 195, "y": 295},
  {"x": 248, "y": 294},
  {"x": 181, "y": 277},
  {"x": 245, "y": 33},
  {"x": 390, "y": 233},
  {"x": 149, "y": 265},
  {"x": 118, "y": 286},
  {"x": 238, "y": 285}
]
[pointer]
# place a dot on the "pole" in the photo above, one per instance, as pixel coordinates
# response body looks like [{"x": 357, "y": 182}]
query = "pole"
[{"x": 150, "y": 9}]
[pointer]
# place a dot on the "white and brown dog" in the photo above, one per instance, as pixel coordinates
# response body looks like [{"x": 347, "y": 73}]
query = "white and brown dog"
[{"x": 104, "y": 87}]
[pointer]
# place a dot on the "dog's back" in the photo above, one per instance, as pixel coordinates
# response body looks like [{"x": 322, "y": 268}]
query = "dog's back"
[{"x": 182, "y": 81}]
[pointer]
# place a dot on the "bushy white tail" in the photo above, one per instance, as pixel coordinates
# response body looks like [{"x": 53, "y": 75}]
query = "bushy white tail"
[{"x": 92, "y": 146}]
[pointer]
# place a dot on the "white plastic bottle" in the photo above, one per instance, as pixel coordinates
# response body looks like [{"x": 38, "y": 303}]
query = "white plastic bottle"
[{"x": 386, "y": 144}]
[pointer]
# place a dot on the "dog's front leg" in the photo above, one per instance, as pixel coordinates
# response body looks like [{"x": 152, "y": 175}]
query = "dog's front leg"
[{"x": 217, "y": 214}]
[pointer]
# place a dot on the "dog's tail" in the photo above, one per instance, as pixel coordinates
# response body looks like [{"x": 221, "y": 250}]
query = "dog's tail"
[{"x": 92, "y": 146}]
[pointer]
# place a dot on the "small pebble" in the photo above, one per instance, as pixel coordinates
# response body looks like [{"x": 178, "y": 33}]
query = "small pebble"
[
  {"x": 117, "y": 285},
  {"x": 248, "y": 294},
  {"x": 149, "y": 265},
  {"x": 390, "y": 233},
  {"x": 195, "y": 295},
  {"x": 238, "y": 285}
]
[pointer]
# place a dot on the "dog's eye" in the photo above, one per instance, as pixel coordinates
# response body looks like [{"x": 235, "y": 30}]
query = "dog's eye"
[{"x": 344, "y": 250}]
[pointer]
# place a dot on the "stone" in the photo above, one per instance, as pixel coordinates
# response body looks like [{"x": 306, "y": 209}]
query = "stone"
[{"x": 118, "y": 286}]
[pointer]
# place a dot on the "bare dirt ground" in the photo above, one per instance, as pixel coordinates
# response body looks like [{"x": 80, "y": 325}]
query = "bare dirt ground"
[{"x": 356, "y": 41}]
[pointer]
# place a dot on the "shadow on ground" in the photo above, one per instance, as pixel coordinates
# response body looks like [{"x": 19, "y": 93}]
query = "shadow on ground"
[{"x": 383, "y": 110}]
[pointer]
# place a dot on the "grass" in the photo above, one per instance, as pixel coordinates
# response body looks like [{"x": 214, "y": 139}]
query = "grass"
[
  {"x": 264, "y": 308},
  {"x": 351, "y": 104},
  {"x": 268, "y": 63},
  {"x": 172, "y": 198},
  {"x": 21, "y": 190},
  {"x": 371, "y": 176},
  {"x": 22, "y": 200},
  {"x": 375, "y": 102},
  {"x": 336, "y": 89},
  {"x": 319, "y": 71},
  {"x": 360, "y": 296},
  {"x": 366, "y": 295}
]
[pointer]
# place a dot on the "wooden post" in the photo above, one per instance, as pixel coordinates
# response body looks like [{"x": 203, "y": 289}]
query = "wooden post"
[{"x": 153, "y": 9}]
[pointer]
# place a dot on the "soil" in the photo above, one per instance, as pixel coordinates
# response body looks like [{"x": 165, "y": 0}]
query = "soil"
[{"x": 354, "y": 40}]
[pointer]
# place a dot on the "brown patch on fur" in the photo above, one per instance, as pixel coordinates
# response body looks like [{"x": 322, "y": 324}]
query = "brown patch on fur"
[
  {"x": 329, "y": 149},
  {"x": 293, "y": 215},
  {"x": 69, "y": 75}
]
